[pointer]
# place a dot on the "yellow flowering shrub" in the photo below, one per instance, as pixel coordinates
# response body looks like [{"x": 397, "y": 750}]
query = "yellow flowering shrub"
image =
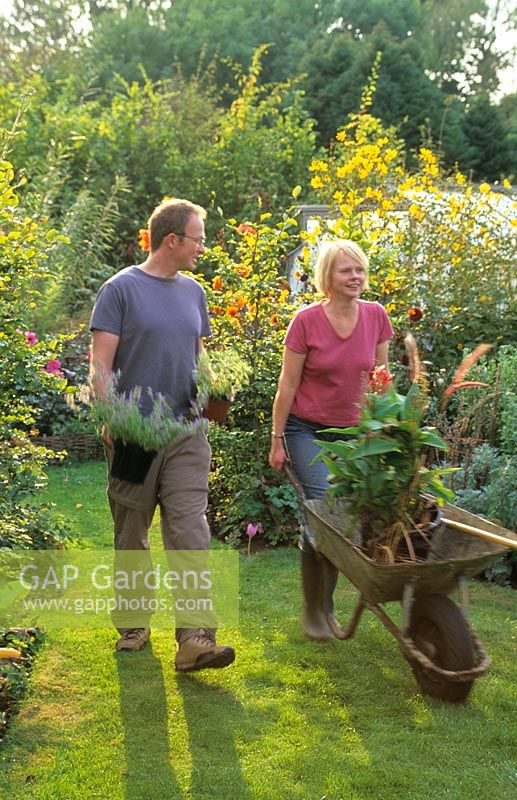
[{"x": 436, "y": 241}]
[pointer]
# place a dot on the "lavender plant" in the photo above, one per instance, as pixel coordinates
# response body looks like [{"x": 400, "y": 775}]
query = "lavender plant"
[{"x": 122, "y": 416}]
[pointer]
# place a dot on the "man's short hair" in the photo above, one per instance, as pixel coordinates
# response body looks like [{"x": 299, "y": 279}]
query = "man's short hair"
[
  {"x": 327, "y": 256},
  {"x": 171, "y": 217}
]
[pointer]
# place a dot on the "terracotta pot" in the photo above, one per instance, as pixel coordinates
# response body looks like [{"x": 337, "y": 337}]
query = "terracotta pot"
[
  {"x": 216, "y": 409},
  {"x": 131, "y": 462}
]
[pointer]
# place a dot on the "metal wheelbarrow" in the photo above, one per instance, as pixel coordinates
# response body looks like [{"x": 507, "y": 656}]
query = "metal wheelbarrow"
[{"x": 435, "y": 636}]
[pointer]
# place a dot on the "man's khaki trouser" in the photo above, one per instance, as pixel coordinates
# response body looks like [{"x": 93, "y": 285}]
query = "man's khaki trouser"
[{"x": 178, "y": 482}]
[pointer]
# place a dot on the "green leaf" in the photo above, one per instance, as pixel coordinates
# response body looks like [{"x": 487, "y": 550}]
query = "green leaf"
[
  {"x": 341, "y": 449},
  {"x": 440, "y": 471},
  {"x": 385, "y": 406},
  {"x": 333, "y": 467},
  {"x": 412, "y": 407},
  {"x": 373, "y": 425},
  {"x": 436, "y": 488},
  {"x": 344, "y": 431},
  {"x": 373, "y": 447},
  {"x": 430, "y": 437},
  {"x": 377, "y": 482}
]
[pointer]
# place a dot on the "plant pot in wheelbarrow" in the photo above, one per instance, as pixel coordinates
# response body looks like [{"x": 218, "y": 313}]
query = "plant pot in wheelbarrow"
[{"x": 131, "y": 462}]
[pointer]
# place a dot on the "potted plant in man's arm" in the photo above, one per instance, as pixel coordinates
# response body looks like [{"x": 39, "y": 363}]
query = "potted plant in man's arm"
[{"x": 220, "y": 374}]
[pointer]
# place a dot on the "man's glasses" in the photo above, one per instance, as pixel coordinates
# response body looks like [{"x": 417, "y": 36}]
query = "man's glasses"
[{"x": 199, "y": 240}]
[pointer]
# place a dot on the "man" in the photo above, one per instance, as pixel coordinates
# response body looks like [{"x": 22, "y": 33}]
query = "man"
[{"x": 147, "y": 325}]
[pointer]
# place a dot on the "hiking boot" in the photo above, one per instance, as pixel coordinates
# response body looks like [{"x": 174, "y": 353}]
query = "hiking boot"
[
  {"x": 133, "y": 639},
  {"x": 200, "y": 651}
]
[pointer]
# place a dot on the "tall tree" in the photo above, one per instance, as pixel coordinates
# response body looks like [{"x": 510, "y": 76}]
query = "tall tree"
[
  {"x": 39, "y": 34},
  {"x": 233, "y": 30},
  {"x": 338, "y": 67},
  {"x": 508, "y": 116},
  {"x": 400, "y": 16},
  {"x": 459, "y": 38},
  {"x": 127, "y": 45},
  {"x": 487, "y": 155}
]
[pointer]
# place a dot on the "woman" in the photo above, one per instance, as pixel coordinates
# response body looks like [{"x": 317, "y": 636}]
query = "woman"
[{"x": 330, "y": 347}]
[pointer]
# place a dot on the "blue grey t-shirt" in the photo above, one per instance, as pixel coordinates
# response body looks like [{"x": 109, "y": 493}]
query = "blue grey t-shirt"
[{"x": 159, "y": 322}]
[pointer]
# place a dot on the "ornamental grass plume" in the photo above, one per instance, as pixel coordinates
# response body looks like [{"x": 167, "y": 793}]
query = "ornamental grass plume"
[
  {"x": 457, "y": 380},
  {"x": 415, "y": 365},
  {"x": 416, "y": 371}
]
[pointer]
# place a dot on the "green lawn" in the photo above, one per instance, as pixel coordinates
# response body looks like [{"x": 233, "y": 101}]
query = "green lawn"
[{"x": 290, "y": 720}]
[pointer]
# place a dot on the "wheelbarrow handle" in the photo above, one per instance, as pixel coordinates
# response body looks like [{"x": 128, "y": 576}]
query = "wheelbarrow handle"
[
  {"x": 487, "y": 535},
  {"x": 309, "y": 536},
  {"x": 289, "y": 471}
]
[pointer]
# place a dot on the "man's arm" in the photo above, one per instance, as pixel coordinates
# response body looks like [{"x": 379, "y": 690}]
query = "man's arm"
[{"x": 104, "y": 347}]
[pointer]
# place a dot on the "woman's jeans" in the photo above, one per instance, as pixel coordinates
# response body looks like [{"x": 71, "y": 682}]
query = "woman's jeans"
[{"x": 301, "y": 449}]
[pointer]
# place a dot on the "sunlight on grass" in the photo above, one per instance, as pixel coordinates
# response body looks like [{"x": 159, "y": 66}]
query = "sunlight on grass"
[{"x": 290, "y": 720}]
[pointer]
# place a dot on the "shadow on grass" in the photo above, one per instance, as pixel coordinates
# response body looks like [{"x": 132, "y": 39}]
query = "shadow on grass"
[
  {"x": 143, "y": 709},
  {"x": 213, "y": 715}
]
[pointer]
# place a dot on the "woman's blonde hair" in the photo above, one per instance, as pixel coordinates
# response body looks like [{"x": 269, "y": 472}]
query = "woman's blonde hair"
[{"x": 326, "y": 257}]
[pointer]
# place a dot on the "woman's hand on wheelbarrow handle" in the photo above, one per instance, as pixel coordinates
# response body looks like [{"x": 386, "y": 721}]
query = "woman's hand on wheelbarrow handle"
[{"x": 277, "y": 455}]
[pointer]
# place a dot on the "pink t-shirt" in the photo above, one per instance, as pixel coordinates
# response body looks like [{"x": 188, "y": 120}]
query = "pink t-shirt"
[{"x": 334, "y": 374}]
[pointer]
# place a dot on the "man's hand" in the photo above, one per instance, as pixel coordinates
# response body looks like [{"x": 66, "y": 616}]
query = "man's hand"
[{"x": 107, "y": 438}]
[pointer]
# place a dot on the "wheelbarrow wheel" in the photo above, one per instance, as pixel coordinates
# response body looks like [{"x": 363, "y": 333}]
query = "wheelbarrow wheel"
[{"x": 440, "y": 631}]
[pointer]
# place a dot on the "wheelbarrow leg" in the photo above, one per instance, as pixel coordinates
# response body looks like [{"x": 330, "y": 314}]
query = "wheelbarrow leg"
[
  {"x": 347, "y": 633},
  {"x": 331, "y": 576}
]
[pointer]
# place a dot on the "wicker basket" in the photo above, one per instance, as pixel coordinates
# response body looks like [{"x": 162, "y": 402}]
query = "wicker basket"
[{"x": 79, "y": 446}]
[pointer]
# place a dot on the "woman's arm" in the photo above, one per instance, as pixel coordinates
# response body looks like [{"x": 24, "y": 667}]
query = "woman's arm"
[
  {"x": 382, "y": 355},
  {"x": 382, "y": 360},
  {"x": 292, "y": 369}
]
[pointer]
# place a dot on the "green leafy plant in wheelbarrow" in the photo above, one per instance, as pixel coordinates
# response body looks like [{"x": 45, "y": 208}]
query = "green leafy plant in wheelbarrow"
[
  {"x": 379, "y": 468},
  {"x": 381, "y": 472}
]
